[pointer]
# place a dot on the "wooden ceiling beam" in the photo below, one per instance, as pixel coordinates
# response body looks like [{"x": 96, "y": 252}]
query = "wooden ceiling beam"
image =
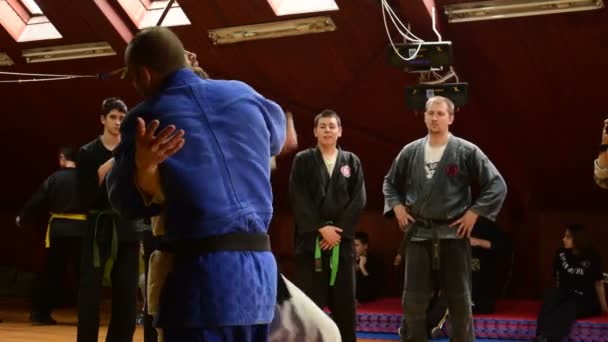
[
  {"x": 9, "y": 46},
  {"x": 103, "y": 20}
]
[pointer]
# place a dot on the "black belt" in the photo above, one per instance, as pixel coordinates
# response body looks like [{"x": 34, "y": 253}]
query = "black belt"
[
  {"x": 253, "y": 242},
  {"x": 432, "y": 223}
]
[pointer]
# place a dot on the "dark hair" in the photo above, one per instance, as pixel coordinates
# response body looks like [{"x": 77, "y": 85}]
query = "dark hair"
[
  {"x": 112, "y": 103},
  {"x": 363, "y": 237},
  {"x": 328, "y": 113},
  {"x": 158, "y": 49},
  {"x": 67, "y": 152},
  {"x": 580, "y": 239}
]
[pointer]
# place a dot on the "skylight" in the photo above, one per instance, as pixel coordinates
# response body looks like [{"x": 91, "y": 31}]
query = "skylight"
[
  {"x": 147, "y": 13},
  {"x": 287, "y": 7},
  {"x": 32, "y": 6},
  {"x": 39, "y": 30},
  {"x": 25, "y": 22}
]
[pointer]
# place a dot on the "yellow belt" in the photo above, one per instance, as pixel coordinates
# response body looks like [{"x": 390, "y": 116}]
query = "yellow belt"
[{"x": 75, "y": 217}]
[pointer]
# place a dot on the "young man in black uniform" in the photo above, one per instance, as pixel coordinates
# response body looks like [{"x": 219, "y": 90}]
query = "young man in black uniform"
[
  {"x": 327, "y": 194},
  {"x": 111, "y": 243},
  {"x": 58, "y": 196}
]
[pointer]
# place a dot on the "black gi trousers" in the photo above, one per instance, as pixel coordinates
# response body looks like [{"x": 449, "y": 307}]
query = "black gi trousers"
[
  {"x": 340, "y": 298},
  {"x": 49, "y": 286},
  {"x": 151, "y": 243},
  {"x": 561, "y": 307},
  {"x": 124, "y": 280},
  {"x": 454, "y": 281}
]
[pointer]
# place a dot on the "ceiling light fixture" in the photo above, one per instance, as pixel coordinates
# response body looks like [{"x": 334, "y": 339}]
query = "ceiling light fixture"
[
  {"x": 5, "y": 59},
  {"x": 499, "y": 9},
  {"x": 272, "y": 30},
  {"x": 76, "y": 51}
]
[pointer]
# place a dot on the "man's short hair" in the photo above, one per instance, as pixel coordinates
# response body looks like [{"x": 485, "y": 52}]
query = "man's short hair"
[
  {"x": 328, "y": 113},
  {"x": 112, "y": 103},
  {"x": 158, "y": 49},
  {"x": 68, "y": 153},
  {"x": 363, "y": 237},
  {"x": 441, "y": 99}
]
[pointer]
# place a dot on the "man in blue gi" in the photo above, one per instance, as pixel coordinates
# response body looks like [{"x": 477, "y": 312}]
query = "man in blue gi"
[
  {"x": 218, "y": 199},
  {"x": 428, "y": 190}
]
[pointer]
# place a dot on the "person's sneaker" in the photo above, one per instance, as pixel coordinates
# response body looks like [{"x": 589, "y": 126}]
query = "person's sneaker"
[
  {"x": 436, "y": 333},
  {"x": 401, "y": 334},
  {"x": 42, "y": 320}
]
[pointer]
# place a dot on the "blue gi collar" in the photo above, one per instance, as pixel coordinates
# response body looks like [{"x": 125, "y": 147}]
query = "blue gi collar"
[{"x": 178, "y": 78}]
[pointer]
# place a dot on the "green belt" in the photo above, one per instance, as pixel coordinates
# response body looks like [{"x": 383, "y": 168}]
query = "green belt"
[
  {"x": 335, "y": 258},
  {"x": 107, "y": 270}
]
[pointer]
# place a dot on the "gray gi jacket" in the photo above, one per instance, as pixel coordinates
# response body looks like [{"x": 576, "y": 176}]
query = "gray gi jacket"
[{"x": 447, "y": 195}]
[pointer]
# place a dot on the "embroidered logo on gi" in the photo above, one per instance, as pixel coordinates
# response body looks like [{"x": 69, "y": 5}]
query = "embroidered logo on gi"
[
  {"x": 451, "y": 170},
  {"x": 345, "y": 170}
]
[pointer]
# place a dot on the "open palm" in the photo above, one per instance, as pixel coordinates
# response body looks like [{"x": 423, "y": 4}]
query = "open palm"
[{"x": 152, "y": 149}]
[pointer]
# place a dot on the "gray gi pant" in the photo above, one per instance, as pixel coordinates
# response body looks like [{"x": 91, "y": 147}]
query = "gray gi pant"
[{"x": 454, "y": 280}]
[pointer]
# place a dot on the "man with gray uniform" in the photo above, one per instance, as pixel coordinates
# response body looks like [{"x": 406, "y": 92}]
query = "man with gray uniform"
[{"x": 428, "y": 190}]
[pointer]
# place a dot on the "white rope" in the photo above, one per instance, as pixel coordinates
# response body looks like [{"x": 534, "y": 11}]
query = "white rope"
[
  {"x": 440, "y": 80},
  {"x": 40, "y": 79},
  {"x": 41, "y": 75},
  {"x": 404, "y": 36},
  {"x": 435, "y": 25},
  {"x": 408, "y": 35},
  {"x": 47, "y": 77}
]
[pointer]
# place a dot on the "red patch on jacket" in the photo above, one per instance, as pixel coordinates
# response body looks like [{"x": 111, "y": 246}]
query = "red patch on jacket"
[{"x": 451, "y": 170}]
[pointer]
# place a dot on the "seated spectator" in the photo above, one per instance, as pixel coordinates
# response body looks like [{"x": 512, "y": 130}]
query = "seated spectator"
[
  {"x": 489, "y": 246},
  {"x": 368, "y": 271},
  {"x": 578, "y": 292}
]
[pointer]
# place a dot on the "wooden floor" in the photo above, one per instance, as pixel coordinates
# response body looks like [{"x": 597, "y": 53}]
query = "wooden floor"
[{"x": 17, "y": 328}]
